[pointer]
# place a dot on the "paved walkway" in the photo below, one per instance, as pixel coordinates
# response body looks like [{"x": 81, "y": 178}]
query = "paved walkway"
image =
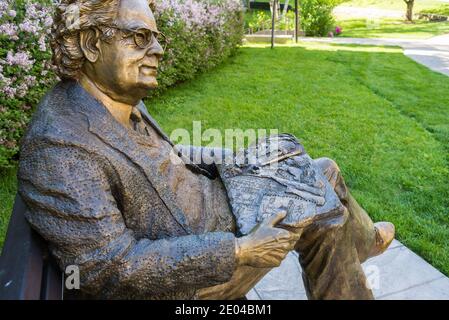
[
  {"x": 433, "y": 52},
  {"x": 348, "y": 12},
  {"x": 397, "y": 274}
]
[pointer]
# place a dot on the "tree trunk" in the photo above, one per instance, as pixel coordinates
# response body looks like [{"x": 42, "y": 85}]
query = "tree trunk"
[{"x": 409, "y": 14}]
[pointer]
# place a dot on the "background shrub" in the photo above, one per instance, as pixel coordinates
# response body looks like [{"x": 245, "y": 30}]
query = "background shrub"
[
  {"x": 316, "y": 15},
  {"x": 201, "y": 34},
  {"x": 256, "y": 20},
  {"x": 25, "y": 71},
  {"x": 442, "y": 10}
]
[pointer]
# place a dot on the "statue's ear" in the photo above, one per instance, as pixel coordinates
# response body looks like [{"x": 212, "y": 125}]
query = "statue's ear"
[{"x": 90, "y": 44}]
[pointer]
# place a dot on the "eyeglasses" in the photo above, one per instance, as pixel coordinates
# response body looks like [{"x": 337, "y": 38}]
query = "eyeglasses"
[{"x": 144, "y": 38}]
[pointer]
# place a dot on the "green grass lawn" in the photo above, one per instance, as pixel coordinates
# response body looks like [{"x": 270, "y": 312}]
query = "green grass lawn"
[
  {"x": 392, "y": 28},
  {"x": 380, "y": 115},
  {"x": 8, "y": 189}
]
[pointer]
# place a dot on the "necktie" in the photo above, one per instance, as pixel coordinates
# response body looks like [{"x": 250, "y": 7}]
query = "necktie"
[{"x": 137, "y": 123}]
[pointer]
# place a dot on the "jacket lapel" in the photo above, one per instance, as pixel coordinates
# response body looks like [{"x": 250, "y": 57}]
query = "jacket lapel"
[
  {"x": 145, "y": 114},
  {"x": 188, "y": 163},
  {"x": 105, "y": 127}
]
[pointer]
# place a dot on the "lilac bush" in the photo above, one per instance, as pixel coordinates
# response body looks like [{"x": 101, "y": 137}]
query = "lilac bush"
[
  {"x": 25, "y": 71},
  {"x": 200, "y": 33}
]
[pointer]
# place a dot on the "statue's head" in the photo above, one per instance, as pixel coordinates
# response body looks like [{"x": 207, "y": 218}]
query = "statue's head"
[{"x": 112, "y": 42}]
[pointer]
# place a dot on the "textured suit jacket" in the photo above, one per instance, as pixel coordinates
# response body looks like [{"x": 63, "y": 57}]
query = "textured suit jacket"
[{"x": 101, "y": 205}]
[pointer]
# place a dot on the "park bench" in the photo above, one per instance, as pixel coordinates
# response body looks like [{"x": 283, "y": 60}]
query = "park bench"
[{"x": 27, "y": 270}]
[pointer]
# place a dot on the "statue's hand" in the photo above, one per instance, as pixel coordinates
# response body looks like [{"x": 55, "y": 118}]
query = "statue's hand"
[{"x": 266, "y": 246}]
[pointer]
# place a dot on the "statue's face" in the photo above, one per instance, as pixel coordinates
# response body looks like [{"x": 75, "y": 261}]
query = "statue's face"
[{"x": 126, "y": 67}]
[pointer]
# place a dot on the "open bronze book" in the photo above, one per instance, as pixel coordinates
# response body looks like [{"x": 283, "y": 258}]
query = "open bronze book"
[{"x": 277, "y": 174}]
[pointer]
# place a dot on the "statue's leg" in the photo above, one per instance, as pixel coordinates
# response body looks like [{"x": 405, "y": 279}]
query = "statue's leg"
[
  {"x": 331, "y": 251},
  {"x": 360, "y": 224}
]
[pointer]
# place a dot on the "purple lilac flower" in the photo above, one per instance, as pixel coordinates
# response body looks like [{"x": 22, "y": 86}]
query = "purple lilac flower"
[
  {"x": 199, "y": 15},
  {"x": 30, "y": 26},
  {"x": 29, "y": 80},
  {"x": 21, "y": 90},
  {"x": 8, "y": 29},
  {"x": 9, "y": 91},
  {"x": 48, "y": 21},
  {"x": 21, "y": 59},
  {"x": 42, "y": 43},
  {"x": 4, "y": 5}
]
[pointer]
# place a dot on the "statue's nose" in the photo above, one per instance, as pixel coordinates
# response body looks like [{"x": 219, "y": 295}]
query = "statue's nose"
[{"x": 156, "y": 49}]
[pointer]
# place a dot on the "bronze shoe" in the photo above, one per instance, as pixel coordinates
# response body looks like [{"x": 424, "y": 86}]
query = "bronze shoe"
[{"x": 384, "y": 237}]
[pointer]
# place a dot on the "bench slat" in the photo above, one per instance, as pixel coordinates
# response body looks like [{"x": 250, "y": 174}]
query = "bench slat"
[{"x": 23, "y": 265}]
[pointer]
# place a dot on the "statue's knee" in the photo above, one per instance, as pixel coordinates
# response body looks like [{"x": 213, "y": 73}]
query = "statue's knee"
[
  {"x": 326, "y": 227},
  {"x": 338, "y": 222},
  {"x": 329, "y": 168},
  {"x": 332, "y": 172}
]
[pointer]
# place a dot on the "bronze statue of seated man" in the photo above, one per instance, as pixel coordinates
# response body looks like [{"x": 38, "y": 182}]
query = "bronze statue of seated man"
[{"x": 96, "y": 175}]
